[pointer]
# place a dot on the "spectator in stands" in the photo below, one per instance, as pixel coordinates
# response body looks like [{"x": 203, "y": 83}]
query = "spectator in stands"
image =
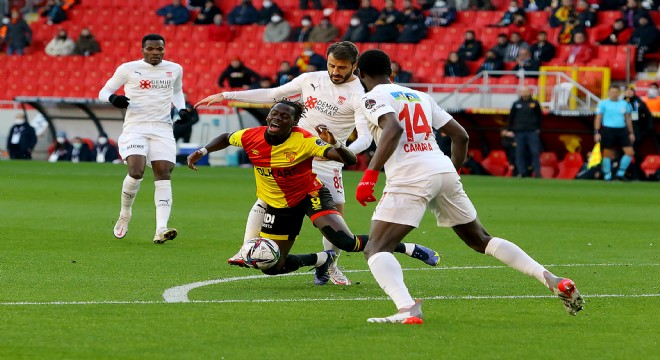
[
  {"x": 348, "y": 4},
  {"x": 568, "y": 30},
  {"x": 500, "y": 48},
  {"x": 181, "y": 130},
  {"x": 525, "y": 62},
  {"x": 560, "y": 14},
  {"x": 80, "y": 151},
  {"x": 21, "y": 139},
  {"x": 207, "y": 13},
  {"x": 645, "y": 38},
  {"x": 386, "y": 28},
  {"x": 525, "y": 124},
  {"x": 19, "y": 34},
  {"x": 491, "y": 62},
  {"x": 104, "y": 151},
  {"x": 3, "y": 32},
  {"x": 652, "y": 98},
  {"x": 308, "y": 58},
  {"x": 86, "y": 44},
  {"x": 507, "y": 18},
  {"x": 542, "y": 51},
  {"x": 613, "y": 129},
  {"x": 301, "y": 34},
  {"x": 536, "y": 5},
  {"x": 367, "y": 13},
  {"x": 54, "y": 12},
  {"x": 264, "y": 83},
  {"x": 219, "y": 31},
  {"x": 324, "y": 32},
  {"x": 174, "y": 13},
  {"x": 527, "y": 33},
  {"x": 277, "y": 30},
  {"x": 632, "y": 12},
  {"x": 268, "y": 9},
  {"x": 304, "y": 4},
  {"x": 471, "y": 49},
  {"x": 441, "y": 14},
  {"x": 399, "y": 75},
  {"x": 580, "y": 52},
  {"x": 237, "y": 75},
  {"x": 455, "y": 66},
  {"x": 243, "y": 14},
  {"x": 642, "y": 121},
  {"x": 480, "y": 5},
  {"x": 60, "y": 45},
  {"x": 61, "y": 149},
  {"x": 619, "y": 35},
  {"x": 413, "y": 29},
  {"x": 586, "y": 14},
  {"x": 286, "y": 73},
  {"x": 357, "y": 31},
  {"x": 515, "y": 44}
]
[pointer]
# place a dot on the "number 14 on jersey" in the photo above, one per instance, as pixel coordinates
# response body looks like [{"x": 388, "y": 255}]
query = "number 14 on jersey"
[{"x": 415, "y": 124}]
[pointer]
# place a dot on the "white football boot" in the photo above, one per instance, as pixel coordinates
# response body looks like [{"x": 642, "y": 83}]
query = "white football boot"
[
  {"x": 164, "y": 235},
  {"x": 121, "y": 226},
  {"x": 410, "y": 315}
]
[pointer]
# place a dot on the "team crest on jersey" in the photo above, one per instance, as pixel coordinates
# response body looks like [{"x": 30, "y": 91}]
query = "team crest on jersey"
[
  {"x": 168, "y": 73},
  {"x": 255, "y": 151},
  {"x": 290, "y": 156},
  {"x": 341, "y": 100},
  {"x": 369, "y": 103},
  {"x": 320, "y": 142}
]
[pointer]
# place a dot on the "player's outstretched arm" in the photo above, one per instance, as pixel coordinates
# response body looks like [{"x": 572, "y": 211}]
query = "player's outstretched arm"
[
  {"x": 211, "y": 99},
  {"x": 218, "y": 143},
  {"x": 339, "y": 152},
  {"x": 459, "y": 142}
]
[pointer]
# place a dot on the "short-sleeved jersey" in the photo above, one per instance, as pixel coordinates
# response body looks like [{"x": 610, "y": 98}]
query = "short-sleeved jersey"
[
  {"x": 614, "y": 113},
  {"x": 283, "y": 172},
  {"x": 417, "y": 154},
  {"x": 150, "y": 88}
]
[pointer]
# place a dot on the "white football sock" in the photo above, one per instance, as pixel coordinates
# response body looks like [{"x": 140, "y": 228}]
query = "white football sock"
[
  {"x": 163, "y": 201},
  {"x": 410, "y": 248},
  {"x": 510, "y": 254},
  {"x": 321, "y": 258},
  {"x": 327, "y": 245},
  {"x": 255, "y": 220},
  {"x": 129, "y": 191},
  {"x": 387, "y": 272}
]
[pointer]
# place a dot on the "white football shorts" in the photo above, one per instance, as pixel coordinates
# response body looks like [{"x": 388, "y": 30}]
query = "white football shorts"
[
  {"x": 154, "y": 140},
  {"x": 329, "y": 172},
  {"x": 443, "y": 194}
]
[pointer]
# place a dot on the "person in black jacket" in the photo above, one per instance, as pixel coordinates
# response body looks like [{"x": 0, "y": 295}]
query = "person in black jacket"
[
  {"x": 238, "y": 75},
  {"x": 470, "y": 49},
  {"x": 105, "y": 152},
  {"x": 642, "y": 121},
  {"x": 19, "y": 34},
  {"x": 491, "y": 62},
  {"x": 645, "y": 38},
  {"x": 455, "y": 66},
  {"x": 525, "y": 125},
  {"x": 357, "y": 31},
  {"x": 21, "y": 139},
  {"x": 399, "y": 75},
  {"x": 207, "y": 13},
  {"x": 542, "y": 50},
  {"x": 80, "y": 151}
]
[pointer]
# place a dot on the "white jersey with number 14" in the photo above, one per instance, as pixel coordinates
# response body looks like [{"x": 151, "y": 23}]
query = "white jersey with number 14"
[{"x": 417, "y": 155}]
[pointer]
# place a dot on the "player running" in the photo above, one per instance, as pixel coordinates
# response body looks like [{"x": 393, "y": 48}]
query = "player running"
[
  {"x": 420, "y": 176},
  {"x": 282, "y": 154},
  {"x": 332, "y": 98},
  {"x": 151, "y": 86}
]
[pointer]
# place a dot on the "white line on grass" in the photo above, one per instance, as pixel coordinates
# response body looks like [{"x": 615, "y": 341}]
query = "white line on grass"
[{"x": 180, "y": 293}]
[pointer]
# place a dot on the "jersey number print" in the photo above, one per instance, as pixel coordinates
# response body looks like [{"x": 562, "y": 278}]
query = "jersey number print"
[{"x": 415, "y": 125}]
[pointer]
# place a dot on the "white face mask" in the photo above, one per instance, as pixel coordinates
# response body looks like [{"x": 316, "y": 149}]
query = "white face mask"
[
  {"x": 652, "y": 93},
  {"x": 60, "y": 140},
  {"x": 308, "y": 53},
  {"x": 102, "y": 141},
  {"x": 355, "y": 22},
  {"x": 267, "y": 4},
  {"x": 513, "y": 9},
  {"x": 306, "y": 23},
  {"x": 5, "y": 20},
  {"x": 440, "y": 4},
  {"x": 276, "y": 18},
  {"x": 19, "y": 121}
]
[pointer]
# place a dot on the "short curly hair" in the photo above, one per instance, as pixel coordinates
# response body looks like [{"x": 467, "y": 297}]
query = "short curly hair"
[{"x": 298, "y": 109}]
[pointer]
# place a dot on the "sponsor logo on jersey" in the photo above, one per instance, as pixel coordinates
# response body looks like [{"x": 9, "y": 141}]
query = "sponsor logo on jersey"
[
  {"x": 341, "y": 100},
  {"x": 276, "y": 173},
  {"x": 137, "y": 72},
  {"x": 155, "y": 84},
  {"x": 313, "y": 87},
  {"x": 164, "y": 202},
  {"x": 255, "y": 151},
  {"x": 290, "y": 156},
  {"x": 316, "y": 203},
  {"x": 410, "y": 97},
  {"x": 321, "y": 106},
  {"x": 398, "y": 95},
  {"x": 320, "y": 142},
  {"x": 145, "y": 84},
  {"x": 369, "y": 103},
  {"x": 134, "y": 146}
]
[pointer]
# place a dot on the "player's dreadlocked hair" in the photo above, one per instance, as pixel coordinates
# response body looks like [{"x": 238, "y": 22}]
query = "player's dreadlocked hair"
[{"x": 298, "y": 109}]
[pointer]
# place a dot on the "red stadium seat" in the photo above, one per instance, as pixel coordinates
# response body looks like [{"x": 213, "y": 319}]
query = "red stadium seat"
[
  {"x": 485, "y": 18},
  {"x": 537, "y": 19},
  {"x": 391, "y": 49},
  {"x": 549, "y": 164},
  {"x": 496, "y": 163},
  {"x": 650, "y": 165},
  {"x": 466, "y": 18},
  {"x": 607, "y": 17},
  {"x": 570, "y": 166}
]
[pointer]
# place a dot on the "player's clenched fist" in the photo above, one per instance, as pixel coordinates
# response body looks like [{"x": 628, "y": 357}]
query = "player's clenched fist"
[
  {"x": 212, "y": 99},
  {"x": 365, "y": 189}
]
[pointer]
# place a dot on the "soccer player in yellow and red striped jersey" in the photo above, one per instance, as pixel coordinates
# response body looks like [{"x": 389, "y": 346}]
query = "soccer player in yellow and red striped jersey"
[{"x": 282, "y": 155}]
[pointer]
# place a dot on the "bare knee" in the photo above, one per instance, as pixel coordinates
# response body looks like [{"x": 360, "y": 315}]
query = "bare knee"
[{"x": 136, "y": 174}]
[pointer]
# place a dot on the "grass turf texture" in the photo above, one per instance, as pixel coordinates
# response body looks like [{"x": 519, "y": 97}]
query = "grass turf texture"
[{"x": 56, "y": 245}]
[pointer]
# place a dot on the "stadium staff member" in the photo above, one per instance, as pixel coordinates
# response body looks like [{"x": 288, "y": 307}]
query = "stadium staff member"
[
  {"x": 525, "y": 125},
  {"x": 613, "y": 128}
]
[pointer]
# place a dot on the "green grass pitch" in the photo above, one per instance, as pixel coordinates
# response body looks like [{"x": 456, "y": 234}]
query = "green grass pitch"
[{"x": 70, "y": 290}]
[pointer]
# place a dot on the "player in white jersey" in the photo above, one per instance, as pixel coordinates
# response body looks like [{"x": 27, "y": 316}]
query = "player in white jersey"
[
  {"x": 332, "y": 98},
  {"x": 151, "y": 85},
  {"x": 420, "y": 176}
]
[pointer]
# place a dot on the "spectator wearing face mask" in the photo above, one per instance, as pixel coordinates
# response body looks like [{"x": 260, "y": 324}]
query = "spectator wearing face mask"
[
  {"x": 324, "y": 32},
  {"x": 441, "y": 14},
  {"x": 413, "y": 29},
  {"x": 277, "y": 30},
  {"x": 357, "y": 31},
  {"x": 238, "y": 75},
  {"x": 60, "y": 45},
  {"x": 586, "y": 14},
  {"x": 22, "y": 139},
  {"x": 18, "y": 34},
  {"x": 219, "y": 30},
  {"x": 268, "y": 9},
  {"x": 61, "y": 149},
  {"x": 286, "y": 73},
  {"x": 80, "y": 151},
  {"x": 367, "y": 13},
  {"x": 54, "y": 12},
  {"x": 652, "y": 98},
  {"x": 507, "y": 18},
  {"x": 386, "y": 28},
  {"x": 243, "y": 14},
  {"x": 104, "y": 151},
  {"x": 207, "y": 13},
  {"x": 86, "y": 44},
  {"x": 301, "y": 34},
  {"x": 536, "y": 5},
  {"x": 645, "y": 37},
  {"x": 310, "y": 59}
]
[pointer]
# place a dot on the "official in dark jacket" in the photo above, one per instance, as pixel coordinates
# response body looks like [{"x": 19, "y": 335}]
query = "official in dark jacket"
[
  {"x": 525, "y": 124},
  {"x": 21, "y": 139}
]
